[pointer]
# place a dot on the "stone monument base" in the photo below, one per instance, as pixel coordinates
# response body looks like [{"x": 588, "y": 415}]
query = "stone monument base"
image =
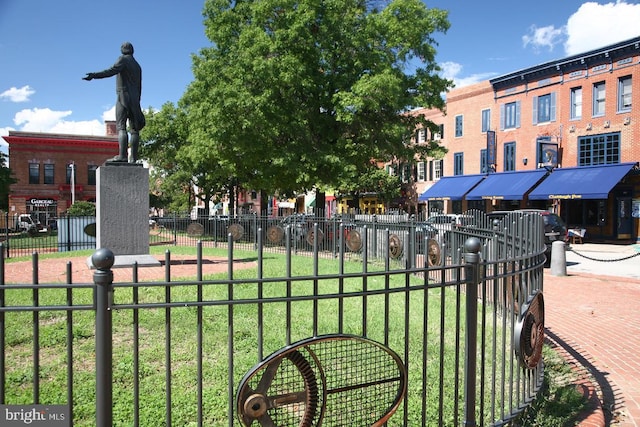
[
  {"x": 123, "y": 261},
  {"x": 122, "y": 213}
]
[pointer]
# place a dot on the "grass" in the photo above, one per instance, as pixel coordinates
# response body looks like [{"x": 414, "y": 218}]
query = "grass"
[
  {"x": 559, "y": 403},
  {"x": 420, "y": 331}
]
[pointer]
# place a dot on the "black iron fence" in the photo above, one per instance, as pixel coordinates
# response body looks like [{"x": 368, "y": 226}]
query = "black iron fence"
[{"x": 462, "y": 307}]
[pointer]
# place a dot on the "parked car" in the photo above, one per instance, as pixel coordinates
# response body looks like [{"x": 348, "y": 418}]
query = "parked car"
[
  {"x": 425, "y": 230},
  {"x": 446, "y": 221},
  {"x": 554, "y": 227}
]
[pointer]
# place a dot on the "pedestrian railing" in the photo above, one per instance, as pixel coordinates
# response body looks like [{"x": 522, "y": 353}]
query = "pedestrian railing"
[{"x": 467, "y": 330}]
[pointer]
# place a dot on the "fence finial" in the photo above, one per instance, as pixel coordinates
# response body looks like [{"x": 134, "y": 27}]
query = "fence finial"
[{"x": 103, "y": 259}]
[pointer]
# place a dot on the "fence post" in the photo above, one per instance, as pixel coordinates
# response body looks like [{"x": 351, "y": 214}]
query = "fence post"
[
  {"x": 472, "y": 260},
  {"x": 103, "y": 260}
]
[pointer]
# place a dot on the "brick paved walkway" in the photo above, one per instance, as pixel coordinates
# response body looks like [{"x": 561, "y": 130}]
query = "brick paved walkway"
[{"x": 597, "y": 320}]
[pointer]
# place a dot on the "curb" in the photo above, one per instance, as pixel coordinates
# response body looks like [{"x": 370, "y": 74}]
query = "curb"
[{"x": 593, "y": 414}]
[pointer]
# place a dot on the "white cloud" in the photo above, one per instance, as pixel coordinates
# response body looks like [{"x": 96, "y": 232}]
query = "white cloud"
[
  {"x": 49, "y": 121},
  {"x": 592, "y": 26},
  {"x": 543, "y": 37},
  {"x": 110, "y": 114},
  {"x": 3, "y": 144},
  {"x": 38, "y": 119},
  {"x": 18, "y": 95},
  {"x": 596, "y": 25},
  {"x": 452, "y": 71}
]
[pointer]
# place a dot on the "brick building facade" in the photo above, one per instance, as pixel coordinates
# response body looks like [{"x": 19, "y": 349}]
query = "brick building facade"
[
  {"x": 52, "y": 170},
  {"x": 578, "y": 118}
]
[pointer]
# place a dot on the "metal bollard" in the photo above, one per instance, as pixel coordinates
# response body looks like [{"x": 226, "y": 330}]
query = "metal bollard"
[
  {"x": 558, "y": 258},
  {"x": 103, "y": 260},
  {"x": 472, "y": 262}
]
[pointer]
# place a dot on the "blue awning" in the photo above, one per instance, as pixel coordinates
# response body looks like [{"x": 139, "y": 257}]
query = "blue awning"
[
  {"x": 507, "y": 185},
  {"x": 451, "y": 187},
  {"x": 587, "y": 182}
]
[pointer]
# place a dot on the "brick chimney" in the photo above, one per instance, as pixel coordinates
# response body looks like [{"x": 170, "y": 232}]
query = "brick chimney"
[{"x": 111, "y": 127}]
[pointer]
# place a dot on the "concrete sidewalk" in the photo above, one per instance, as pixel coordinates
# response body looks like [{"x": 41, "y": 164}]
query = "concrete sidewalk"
[{"x": 591, "y": 316}]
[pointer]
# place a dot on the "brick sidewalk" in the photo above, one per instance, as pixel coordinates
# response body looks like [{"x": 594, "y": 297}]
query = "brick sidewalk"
[
  {"x": 53, "y": 270},
  {"x": 596, "y": 320}
]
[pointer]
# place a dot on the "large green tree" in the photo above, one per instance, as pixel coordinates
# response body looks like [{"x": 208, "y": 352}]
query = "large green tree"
[
  {"x": 6, "y": 179},
  {"x": 177, "y": 166},
  {"x": 295, "y": 94}
]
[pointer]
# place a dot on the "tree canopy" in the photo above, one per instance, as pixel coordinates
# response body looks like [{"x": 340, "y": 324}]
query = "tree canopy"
[
  {"x": 293, "y": 95},
  {"x": 6, "y": 179},
  {"x": 178, "y": 166}
]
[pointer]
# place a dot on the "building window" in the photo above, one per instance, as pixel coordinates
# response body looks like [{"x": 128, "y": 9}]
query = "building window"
[
  {"x": 71, "y": 169},
  {"x": 459, "y": 124},
  {"x": 510, "y": 115},
  {"x": 405, "y": 172},
  {"x": 422, "y": 172},
  {"x": 576, "y": 103},
  {"x": 624, "y": 94},
  {"x": 458, "y": 161},
  {"x": 544, "y": 108},
  {"x": 436, "y": 169},
  {"x": 392, "y": 169},
  {"x": 34, "y": 173},
  {"x": 91, "y": 173},
  {"x": 486, "y": 120},
  {"x": 510, "y": 156},
  {"x": 422, "y": 136},
  {"x": 598, "y": 99},
  {"x": 599, "y": 149},
  {"x": 49, "y": 173},
  {"x": 484, "y": 164}
]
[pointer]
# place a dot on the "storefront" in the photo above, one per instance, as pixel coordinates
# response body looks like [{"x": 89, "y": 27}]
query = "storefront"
[
  {"x": 598, "y": 199},
  {"x": 506, "y": 190},
  {"x": 450, "y": 190}
]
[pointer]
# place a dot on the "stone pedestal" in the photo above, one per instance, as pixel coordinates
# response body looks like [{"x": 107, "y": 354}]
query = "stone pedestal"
[{"x": 122, "y": 210}]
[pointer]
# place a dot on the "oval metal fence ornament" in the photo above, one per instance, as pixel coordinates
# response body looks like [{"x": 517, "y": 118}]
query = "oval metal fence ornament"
[
  {"x": 529, "y": 332},
  {"x": 354, "y": 241},
  {"x": 236, "y": 231},
  {"x": 275, "y": 234},
  {"x": 434, "y": 256},
  {"x": 311, "y": 236},
  {"x": 331, "y": 380},
  {"x": 195, "y": 229},
  {"x": 395, "y": 246}
]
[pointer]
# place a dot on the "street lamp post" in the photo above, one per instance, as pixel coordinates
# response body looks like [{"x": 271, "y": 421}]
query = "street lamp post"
[{"x": 73, "y": 183}]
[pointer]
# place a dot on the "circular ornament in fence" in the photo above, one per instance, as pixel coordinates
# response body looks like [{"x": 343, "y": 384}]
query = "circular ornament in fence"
[
  {"x": 434, "y": 255},
  {"x": 275, "y": 234},
  {"x": 311, "y": 236},
  {"x": 395, "y": 246},
  {"x": 529, "y": 332},
  {"x": 236, "y": 231},
  {"x": 354, "y": 240},
  {"x": 195, "y": 229},
  {"x": 330, "y": 380},
  {"x": 90, "y": 229}
]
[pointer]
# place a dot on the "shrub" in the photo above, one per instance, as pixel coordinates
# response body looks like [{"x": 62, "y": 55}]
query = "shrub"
[{"x": 82, "y": 208}]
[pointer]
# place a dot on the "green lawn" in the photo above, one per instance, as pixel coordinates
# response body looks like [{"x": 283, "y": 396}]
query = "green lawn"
[{"x": 420, "y": 328}]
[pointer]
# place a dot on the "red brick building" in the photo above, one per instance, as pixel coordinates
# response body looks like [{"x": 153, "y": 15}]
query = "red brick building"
[
  {"x": 520, "y": 138},
  {"x": 54, "y": 169}
]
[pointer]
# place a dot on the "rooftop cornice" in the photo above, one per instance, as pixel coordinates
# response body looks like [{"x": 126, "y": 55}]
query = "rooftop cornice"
[{"x": 566, "y": 65}]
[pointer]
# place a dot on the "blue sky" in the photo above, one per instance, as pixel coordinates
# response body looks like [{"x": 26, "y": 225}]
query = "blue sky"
[{"x": 46, "y": 47}]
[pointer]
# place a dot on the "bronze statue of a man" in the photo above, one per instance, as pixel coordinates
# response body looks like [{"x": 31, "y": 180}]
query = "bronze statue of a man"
[{"x": 129, "y": 88}]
